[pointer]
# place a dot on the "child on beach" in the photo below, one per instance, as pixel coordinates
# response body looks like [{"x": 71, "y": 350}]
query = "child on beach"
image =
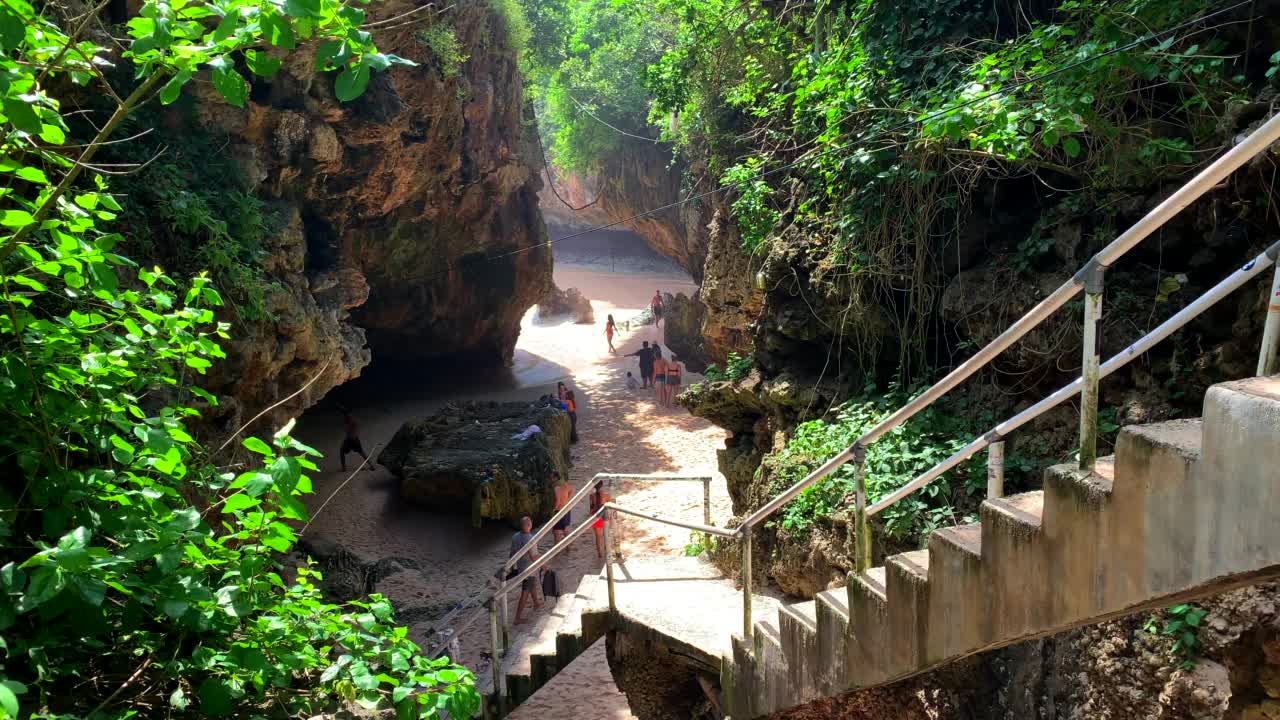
[{"x": 632, "y": 383}]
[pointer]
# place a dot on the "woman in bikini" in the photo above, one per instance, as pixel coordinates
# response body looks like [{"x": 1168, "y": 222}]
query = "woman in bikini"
[
  {"x": 659, "y": 374},
  {"x": 599, "y": 497},
  {"x": 571, "y": 403},
  {"x": 609, "y": 329},
  {"x": 673, "y": 380}
]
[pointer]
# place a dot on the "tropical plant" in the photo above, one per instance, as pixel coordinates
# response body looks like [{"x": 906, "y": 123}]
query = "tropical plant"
[{"x": 137, "y": 576}]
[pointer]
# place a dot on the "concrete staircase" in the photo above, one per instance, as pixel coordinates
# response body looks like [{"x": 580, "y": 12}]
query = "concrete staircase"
[
  {"x": 1184, "y": 509},
  {"x": 552, "y": 641}
]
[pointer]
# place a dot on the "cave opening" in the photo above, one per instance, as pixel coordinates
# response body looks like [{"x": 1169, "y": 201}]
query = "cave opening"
[{"x": 322, "y": 242}]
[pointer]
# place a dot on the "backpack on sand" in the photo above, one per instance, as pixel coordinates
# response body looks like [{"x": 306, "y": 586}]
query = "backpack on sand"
[{"x": 550, "y": 585}]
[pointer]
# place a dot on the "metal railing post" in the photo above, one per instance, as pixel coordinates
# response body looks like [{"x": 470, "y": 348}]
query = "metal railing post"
[
  {"x": 861, "y": 528},
  {"x": 746, "y": 582},
  {"x": 1089, "y": 371},
  {"x": 706, "y": 498},
  {"x": 1268, "y": 359},
  {"x": 496, "y": 662},
  {"x": 504, "y": 620},
  {"x": 608, "y": 559},
  {"x": 995, "y": 469}
]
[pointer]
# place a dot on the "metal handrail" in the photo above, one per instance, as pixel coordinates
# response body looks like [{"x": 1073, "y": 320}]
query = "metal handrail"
[
  {"x": 549, "y": 525},
  {"x": 1255, "y": 143},
  {"x": 709, "y": 529},
  {"x": 1228, "y": 285}
]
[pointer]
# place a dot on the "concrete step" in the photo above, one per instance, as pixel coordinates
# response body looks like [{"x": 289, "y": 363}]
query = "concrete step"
[
  {"x": 798, "y": 626},
  {"x": 958, "y": 599},
  {"x": 869, "y": 622},
  {"x": 832, "y": 611},
  {"x": 907, "y": 590},
  {"x": 543, "y": 663},
  {"x": 1016, "y": 563},
  {"x": 569, "y": 643},
  {"x": 770, "y": 664}
]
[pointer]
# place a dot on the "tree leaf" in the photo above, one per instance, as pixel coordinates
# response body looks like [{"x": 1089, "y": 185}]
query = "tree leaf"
[
  {"x": 351, "y": 82},
  {"x": 239, "y": 501},
  {"x": 260, "y": 63},
  {"x": 215, "y": 697},
  {"x": 302, "y": 8},
  {"x": 253, "y": 444},
  {"x": 12, "y": 32},
  {"x": 1071, "y": 147},
  {"x": 173, "y": 88},
  {"x": 8, "y": 701},
  {"x": 22, "y": 115},
  {"x": 229, "y": 83}
]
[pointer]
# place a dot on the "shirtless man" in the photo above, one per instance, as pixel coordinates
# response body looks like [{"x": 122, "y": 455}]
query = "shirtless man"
[
  {"x": 351, "y": 441},
  {"x": 561, "y": 487}
]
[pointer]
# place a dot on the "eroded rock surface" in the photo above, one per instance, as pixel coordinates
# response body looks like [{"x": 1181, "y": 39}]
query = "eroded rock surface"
[
  {"x": 464, "y": 459},
  {"x": 410, "y": 217},
  {"x": 570, "y": 303}
]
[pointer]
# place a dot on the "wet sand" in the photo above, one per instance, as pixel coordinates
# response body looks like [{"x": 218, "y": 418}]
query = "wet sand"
[{"x": 620, "y": 431}]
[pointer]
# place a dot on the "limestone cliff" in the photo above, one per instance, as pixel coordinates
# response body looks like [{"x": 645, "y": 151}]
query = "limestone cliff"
[
  {"x": 406, "y": 221},
  {"x": 641, "y": 178}
]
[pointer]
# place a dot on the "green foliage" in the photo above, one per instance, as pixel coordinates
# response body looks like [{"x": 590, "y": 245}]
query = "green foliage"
[
  {"x": 751, "y": 208},
  {"x": 443, "y": 43},
  {"x": 1182, "y": 625},
  {"x": 699, "y": 543},
  {"x": 135, "y": 572},
  {"x": 891, "y": 462},
  {"x": 514, "y": 24},
  {"x": 737, "y": 367}
]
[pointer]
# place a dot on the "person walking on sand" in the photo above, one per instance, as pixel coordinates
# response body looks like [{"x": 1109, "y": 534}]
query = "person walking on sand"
[
  {"x": 673, "y": 380},
  {"x": 599, "y": 497},
  {"x": 351, "y": 441},
  {"x": 528, "y": 587},
  {"x": 656, "y": 306},
  {"x": 609, "y": 329},
  {"x": 645, "y": 354},
  {"x": 571, "y": 405},
  {"x": 561, "y": 487},
  {"x": 659, "y": 374}
]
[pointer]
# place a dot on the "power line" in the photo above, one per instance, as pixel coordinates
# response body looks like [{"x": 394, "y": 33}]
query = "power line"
[
  {"x": 551, "y": 181},
  {"x": 890, "y": 130},
  {"x": 618, "y": 130}
]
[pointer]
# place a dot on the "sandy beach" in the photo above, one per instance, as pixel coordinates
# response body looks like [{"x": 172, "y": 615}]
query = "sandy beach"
[{"x": 621, "y": 431}]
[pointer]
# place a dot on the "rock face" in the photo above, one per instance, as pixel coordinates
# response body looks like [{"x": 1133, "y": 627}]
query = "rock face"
[
  {"x": 411, "y": 215},
  {"x": 682, "y": 329},
  {"x": 639, "y": 179},
  {"x": 571, "y": 303},
  {"x": 464, "y": 459}
]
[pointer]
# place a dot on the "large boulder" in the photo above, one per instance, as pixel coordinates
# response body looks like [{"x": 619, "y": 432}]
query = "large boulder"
[
  {"x": 571, "y": 303},
  {"x": 682, "y": 329},
  {"x": 466, "y": 458}
]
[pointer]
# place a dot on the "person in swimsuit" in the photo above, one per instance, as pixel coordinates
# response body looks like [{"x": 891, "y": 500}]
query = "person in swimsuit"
[
  {"x": 561, "y": 528},
  {"x": 571, "y": 405},
  {"x": 656, "y": 306},
  {"x": 659, "y": 374},
  {"x": 673, "y": 380},
  {"x": 351, "y": 441},
  {"x": 599, "y": 497},
  {"x": 561, "y": 392},
  {"x": 609, "y": 329}
]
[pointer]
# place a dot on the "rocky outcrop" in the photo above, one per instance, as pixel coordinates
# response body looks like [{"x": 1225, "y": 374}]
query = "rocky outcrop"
[
  {"x": 682, "y": 320},
  {"x": 569, "y": 303},
  {"x": 640, "y": 178},
  {"x": 728, "y": 290},
  {"x": 411, "y": 220},
  {"x": 468, "y": 458}
]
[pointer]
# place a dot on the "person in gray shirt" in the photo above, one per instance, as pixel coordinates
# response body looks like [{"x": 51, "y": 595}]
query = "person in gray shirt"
[{"x": 528, "y": 587}]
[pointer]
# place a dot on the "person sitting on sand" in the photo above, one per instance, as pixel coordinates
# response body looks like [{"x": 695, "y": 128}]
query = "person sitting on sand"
[
  {"x": 632, "y": 383},
  {"x": 599, "y": 497},
  {"x": 561, "y": 487},
  {"x": 659, "y": 374},
  {"x": 609, "y": 329},
  {"x": 645, "y": 354},
  {"x": 529, "y": 586},
  {"x": 351, "y": 441}
]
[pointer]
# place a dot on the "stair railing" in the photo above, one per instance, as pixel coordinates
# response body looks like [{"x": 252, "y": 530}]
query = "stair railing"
[{"x": 1090, "y": 280}]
